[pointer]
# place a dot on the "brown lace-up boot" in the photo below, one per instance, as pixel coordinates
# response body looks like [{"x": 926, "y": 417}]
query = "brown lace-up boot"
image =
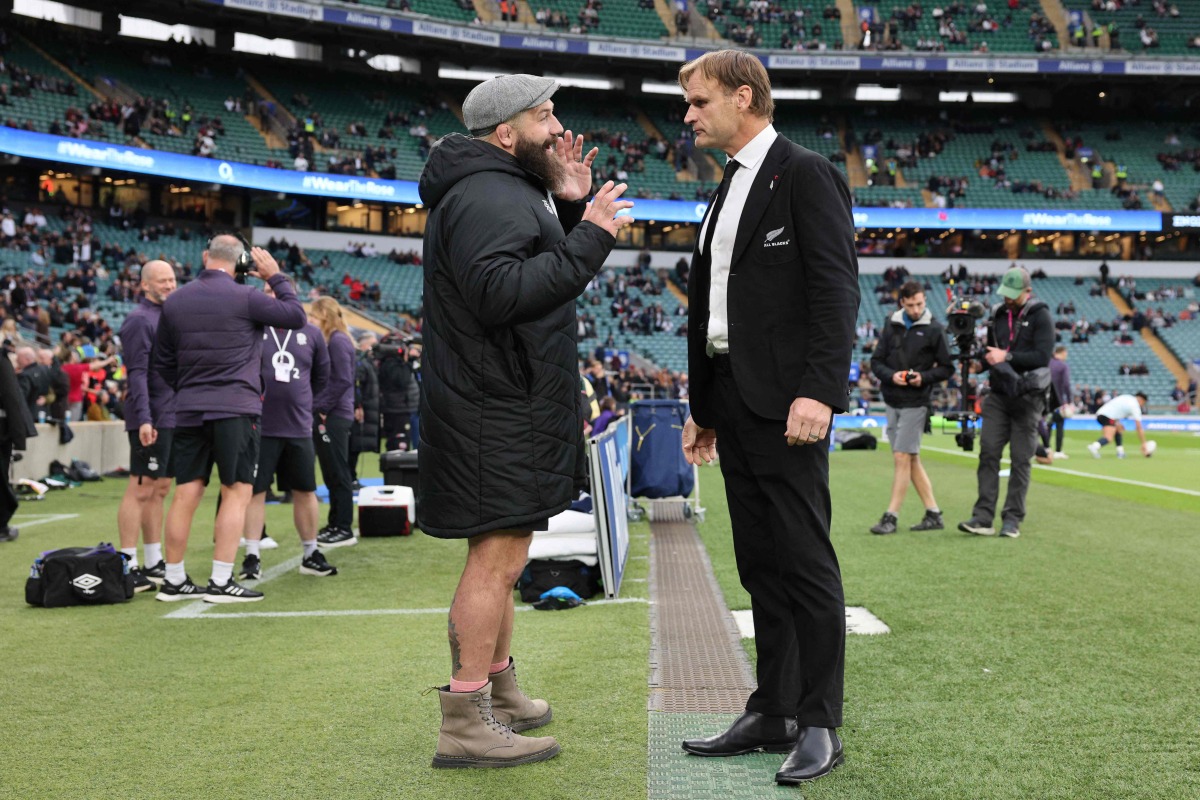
[
  {"x": 512, "y": 707},
  {"x": 471, "y": 736}
]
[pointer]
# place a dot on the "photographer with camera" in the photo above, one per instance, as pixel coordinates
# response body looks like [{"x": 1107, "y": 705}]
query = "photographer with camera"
[
  {"x": 399, "y": 393},
  {"x": 911, "y": 358},
  {"x": 1020, "y": 344},
  {"x": 208, "y": 349}
]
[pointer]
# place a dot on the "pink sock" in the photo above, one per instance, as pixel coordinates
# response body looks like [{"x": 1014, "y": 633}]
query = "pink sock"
[
  {"x": 466, "y": 686},
  {"x": 499, "y": 666}
]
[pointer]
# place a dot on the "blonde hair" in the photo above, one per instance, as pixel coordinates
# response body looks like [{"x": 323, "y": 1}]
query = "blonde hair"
[
  {"x": 732, "y": 69},
  {"x": 329, "y": 316}
]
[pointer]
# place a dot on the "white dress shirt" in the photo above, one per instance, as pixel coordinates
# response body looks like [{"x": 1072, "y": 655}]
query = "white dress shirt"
[{"x": 749, "y": 158}]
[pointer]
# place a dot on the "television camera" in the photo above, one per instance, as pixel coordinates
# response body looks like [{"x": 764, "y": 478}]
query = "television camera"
[{"x": 961, "y": 317}]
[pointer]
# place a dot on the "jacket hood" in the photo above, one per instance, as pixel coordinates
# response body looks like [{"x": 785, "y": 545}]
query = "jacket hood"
[
  {"x": 897, "y": 317},
  {"x": 454, "y": 157}
]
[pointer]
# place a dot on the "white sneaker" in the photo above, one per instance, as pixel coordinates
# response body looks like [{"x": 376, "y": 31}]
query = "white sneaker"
[
  {"x": 266, "y": 543},
  {"x": 1056, "y": 455},
  {"x": 1094, "y": 449},
  {"x": 1120, "y": 452}
]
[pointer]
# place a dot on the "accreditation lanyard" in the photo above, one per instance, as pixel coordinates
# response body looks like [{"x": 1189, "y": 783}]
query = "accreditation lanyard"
[
  {"x": 1012, "y": 328},
  {"x": 282, "y": 361}
]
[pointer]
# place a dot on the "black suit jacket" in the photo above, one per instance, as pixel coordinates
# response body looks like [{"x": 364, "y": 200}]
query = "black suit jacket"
[{"x": 793, "y": 290}]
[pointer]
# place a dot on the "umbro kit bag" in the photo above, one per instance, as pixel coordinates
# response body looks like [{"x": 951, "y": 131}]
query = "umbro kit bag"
[{"x": 79, "y": 576}]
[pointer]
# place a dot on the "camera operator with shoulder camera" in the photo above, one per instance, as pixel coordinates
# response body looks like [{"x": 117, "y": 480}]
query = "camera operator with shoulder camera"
[
  {"x": 1020, "y": 345},
  {"x": 399, "y": 393},
  {"x": 911, "y": 358}
]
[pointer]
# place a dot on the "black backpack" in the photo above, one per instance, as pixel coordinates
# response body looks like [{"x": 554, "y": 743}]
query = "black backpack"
[
  {"x": 542, "y": 575},
  {"x": 79, "y": 576}
]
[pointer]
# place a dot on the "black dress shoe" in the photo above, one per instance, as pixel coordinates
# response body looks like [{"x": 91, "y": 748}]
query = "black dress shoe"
[
  {"x": 816, "y": 753},
  {"x": 749, "y": 732}
]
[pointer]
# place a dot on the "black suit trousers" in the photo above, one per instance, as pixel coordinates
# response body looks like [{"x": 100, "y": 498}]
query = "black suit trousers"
[{"x": 779, "y": 509}]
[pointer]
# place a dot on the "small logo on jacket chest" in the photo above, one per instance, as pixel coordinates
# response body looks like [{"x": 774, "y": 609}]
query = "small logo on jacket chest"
[
  {"x": 772, "y": 236},
  {"x": 549, "y": 208}
]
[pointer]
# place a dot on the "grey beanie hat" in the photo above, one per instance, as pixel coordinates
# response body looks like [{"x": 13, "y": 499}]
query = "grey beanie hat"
[{"x": 502, "y": 98}]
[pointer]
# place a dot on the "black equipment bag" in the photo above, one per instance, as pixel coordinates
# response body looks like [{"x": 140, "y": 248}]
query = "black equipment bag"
[
  {"x": 542, "y": 575},
  {"x": 79, "y": 576},
  {"x": 399, "y": 468},
  {"x": 854, "y": 439}
]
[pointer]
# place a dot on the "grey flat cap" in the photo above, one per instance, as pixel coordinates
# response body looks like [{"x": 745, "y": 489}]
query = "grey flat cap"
[{"x": 502, "y": 98}]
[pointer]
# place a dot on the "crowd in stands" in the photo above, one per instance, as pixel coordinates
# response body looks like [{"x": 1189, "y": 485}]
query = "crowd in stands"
[
  {"x": 958, "y": 24},
  {"x": 610, "y": 292},
  {"x": 743, "y": 22}
]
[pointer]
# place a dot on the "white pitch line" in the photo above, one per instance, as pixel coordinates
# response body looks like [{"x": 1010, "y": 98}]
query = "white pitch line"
[
  {"x": 193, "y": 609},
  {"x": 1064, "y": 471},
  {"x": 40, "y": 519},
  {"x": 370, "y": 612}
]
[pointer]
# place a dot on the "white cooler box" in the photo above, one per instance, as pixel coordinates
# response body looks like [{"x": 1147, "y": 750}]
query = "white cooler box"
[{"x": 386, "y": 510}]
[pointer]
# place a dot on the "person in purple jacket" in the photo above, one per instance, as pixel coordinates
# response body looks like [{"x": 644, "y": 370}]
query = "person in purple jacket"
[
  {"x": 295, "y": 366},
  {"x": 334, "y": 416},
  {"x": 209, "y": 347},
  {"x": 150, "y": 424}
]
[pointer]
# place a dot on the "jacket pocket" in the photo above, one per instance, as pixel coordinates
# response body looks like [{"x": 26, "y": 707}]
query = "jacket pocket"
[{"x": 509, "y": 358}]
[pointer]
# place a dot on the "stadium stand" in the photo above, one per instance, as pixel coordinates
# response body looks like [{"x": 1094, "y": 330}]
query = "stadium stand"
[
  {"x": 786, "y": 25},
  {"x": 1149, "y": 151},
  {"x": 454, "y": 10},
  {"x": 41, "y": 97},
  {"x": 1159, "y": 27},
  {"x": 1096, "y": 356},
  {"x": 630, "y": 19},
  {"x": 978, "y": 159},
  {"x": 963, "y": 26}
]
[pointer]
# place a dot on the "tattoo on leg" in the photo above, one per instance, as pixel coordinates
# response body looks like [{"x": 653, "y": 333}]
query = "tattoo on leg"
[{"x": 455, "y": 648}]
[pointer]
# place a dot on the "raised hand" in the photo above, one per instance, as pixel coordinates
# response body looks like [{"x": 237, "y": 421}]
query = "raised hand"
[
  {"x": 605, "y": 205},
  {"x": 577, "y": 167}
]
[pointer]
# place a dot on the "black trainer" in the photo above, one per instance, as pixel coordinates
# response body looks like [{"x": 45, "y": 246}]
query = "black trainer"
[
  {"x": 170, "y": 592},
  {"x": 977, "y": 527},
  {"x": 230, "y": 593},
  {"x": 9, "y": 533},
  {"x": 886, "y": 524},
  {"x": 140, "y": 582},
  {"x": 251, "y": 568},
  {"x": 157, "y": 573},
  {"x": 1009, "y": 530},
  {"x": 317, "y": 565},
  {"x": 336, "y": 537},
  {"x": 932, "y": 521}
]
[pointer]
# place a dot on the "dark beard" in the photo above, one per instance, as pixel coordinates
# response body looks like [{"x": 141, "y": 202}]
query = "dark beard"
[{"x": 533, "y": 156}]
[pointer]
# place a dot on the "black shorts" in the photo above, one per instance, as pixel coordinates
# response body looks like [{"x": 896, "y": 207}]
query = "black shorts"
[
  {"x": 231, "y": 444},
  {"x": 153, "y": 461},
  {"x": 1105, "y": 421},
  {"x": 294, "y": 460}
]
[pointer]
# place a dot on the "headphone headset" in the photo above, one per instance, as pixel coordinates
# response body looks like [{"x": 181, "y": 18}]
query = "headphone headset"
[{"x": 241, "y": 267}]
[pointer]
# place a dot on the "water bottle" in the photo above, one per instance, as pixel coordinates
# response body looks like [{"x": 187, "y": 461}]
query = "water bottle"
[{"x": 41, "y": 415}]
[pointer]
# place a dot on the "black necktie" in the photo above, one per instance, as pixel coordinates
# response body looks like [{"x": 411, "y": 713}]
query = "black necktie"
[{"x": 730, "y": 167}]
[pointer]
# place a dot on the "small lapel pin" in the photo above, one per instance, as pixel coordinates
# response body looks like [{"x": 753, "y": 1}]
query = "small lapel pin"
[{"x": 772, "y": 186}]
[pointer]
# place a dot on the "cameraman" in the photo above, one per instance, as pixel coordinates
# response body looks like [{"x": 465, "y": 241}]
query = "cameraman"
[
  {"x": 911, "y": 358},
  {"x": 400, "y": 394},
  {"x": 1020, "y": 344}
]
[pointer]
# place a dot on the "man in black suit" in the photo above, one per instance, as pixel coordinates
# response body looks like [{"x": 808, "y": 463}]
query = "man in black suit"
[{"x": 773, "y": 297}]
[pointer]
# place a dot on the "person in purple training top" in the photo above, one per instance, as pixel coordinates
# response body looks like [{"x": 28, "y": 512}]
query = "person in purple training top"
[
  {"x": 150, "y": 423},
  {"x": 209, "y": 347},
  {"x": 333, "y": 410},
  {"x": 295, "y": 366}
]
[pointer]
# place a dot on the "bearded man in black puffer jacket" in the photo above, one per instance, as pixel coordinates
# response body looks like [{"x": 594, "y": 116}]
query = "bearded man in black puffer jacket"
[{"x": 509, "y": 246}]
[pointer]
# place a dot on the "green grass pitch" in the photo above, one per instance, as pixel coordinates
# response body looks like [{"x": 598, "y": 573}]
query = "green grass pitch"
[{"x": 1058, "y": 665}]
